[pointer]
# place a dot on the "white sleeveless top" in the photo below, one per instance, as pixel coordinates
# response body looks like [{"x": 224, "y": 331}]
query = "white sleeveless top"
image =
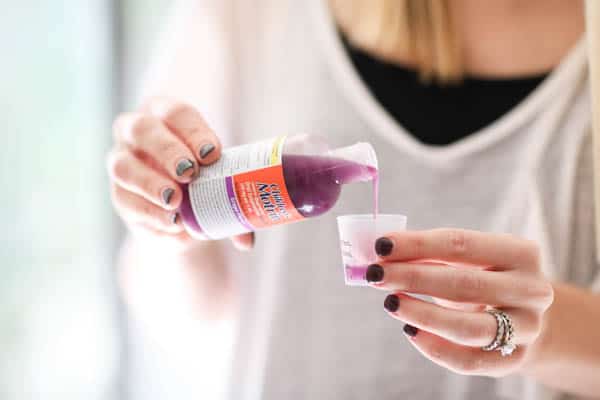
[{"x": 262, "y": 68}]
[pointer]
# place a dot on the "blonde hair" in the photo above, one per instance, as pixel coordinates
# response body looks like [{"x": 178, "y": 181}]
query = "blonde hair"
[{"x": 417, "y": 30}]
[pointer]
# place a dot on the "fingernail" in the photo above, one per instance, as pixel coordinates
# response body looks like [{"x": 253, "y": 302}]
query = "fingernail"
[
  {"x": 167, "y": 194},
  {"x": 206, "y": 150},
  {"x": 410, "y": 330},
  {"x": 174, "y": 218},
  {"x": 391, "y": 303},
  {"x": 374, "y": 273},
  {"x": 383, "y": 246},
  {"x": 183, "y": 166}
]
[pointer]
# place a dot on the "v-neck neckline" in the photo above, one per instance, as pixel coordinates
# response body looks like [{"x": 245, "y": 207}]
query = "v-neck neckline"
[{"x": 384, "y": 124}]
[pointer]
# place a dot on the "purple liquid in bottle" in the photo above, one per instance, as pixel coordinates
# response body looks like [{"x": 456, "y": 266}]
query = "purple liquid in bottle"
[{"x": 314, "y": 184}]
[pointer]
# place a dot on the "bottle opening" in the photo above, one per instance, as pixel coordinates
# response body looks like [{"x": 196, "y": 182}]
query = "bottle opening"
[{"x": 360, "y": 153}]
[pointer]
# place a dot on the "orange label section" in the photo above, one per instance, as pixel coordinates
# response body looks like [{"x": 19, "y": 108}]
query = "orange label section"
[{"x": 263, "y": 197}]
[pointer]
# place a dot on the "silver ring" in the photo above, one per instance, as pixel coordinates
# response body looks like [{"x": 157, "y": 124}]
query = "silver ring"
[
  {"x": 501, "y": 328},
  {"x": 508, "y": 346},
  {"x": 504, "y": 334}
]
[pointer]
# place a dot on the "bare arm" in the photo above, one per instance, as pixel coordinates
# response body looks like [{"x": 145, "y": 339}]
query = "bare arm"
[
  {"x": 567, "y": 355},
  {"x": 197, "y": 274}
]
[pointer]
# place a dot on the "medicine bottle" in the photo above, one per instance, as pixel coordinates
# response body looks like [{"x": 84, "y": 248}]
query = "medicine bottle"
[{"x": 273, "y": 182}]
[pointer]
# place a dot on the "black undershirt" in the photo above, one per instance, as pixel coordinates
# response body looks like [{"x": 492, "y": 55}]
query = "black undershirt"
[{"x": 436, "y": 114}]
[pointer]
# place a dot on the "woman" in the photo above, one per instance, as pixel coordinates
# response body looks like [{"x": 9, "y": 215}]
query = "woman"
[{"x": 479, "y": 112}]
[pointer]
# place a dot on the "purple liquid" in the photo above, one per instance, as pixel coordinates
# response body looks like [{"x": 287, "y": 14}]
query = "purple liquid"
[
  {"x": 356, "y": 273},
  {"x": 314, "y": 184}
]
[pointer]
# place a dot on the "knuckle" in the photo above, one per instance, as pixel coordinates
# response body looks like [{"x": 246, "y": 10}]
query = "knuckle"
[
  {"x": 531, "y": 253},
  {"x": 170, "y": 151},
  {"x": 468, "y": 284},
  {"x": 416, "y": 244},
  {"x": 412, "y": 278},
  {"x": 140, "y": 125},
  {"x": 546, "y": 294},
  {"x": 176, "y": 111},
  {"x": 469, "y": 280},
  {"x": 457, "y": 242}
]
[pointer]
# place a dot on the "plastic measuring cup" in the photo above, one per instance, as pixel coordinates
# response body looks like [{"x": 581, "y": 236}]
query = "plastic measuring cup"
[{"x": 358, "y": 233}]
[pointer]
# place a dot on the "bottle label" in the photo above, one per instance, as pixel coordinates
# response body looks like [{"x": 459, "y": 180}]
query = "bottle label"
[{"x": 243, "y": 191}]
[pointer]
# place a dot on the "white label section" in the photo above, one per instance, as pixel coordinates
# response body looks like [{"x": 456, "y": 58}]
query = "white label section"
[
  {"x": 212, "y": 194},
  {"x": 244, "y": 158}
]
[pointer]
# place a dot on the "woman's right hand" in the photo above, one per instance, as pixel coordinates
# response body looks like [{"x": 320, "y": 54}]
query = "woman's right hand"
[{"x": 155, "y": 150}]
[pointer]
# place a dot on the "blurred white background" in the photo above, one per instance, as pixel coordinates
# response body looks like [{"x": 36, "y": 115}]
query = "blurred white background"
[{"x": 68, "y": 66}]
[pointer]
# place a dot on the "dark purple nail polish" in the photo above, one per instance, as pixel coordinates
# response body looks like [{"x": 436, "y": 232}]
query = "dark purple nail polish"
[
  {"x": 391, "y": 303},
  {"x": 383, "y": 246},
  {"x": 410, "y": 330},
  {"x": 167, "y": 194},
  {"x": 374, "y": 273}
]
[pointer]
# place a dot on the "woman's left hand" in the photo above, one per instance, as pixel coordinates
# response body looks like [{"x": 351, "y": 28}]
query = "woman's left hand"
[{"x": 465, "y": 271}]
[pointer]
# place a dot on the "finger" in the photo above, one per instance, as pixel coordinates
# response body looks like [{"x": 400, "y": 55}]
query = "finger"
[
  {"x": 137, "y": 210},
  {"x": 458, "y": 306},
  {"x": 189, "y": 125},
  {"x": 458, "y": 245},
  {"x": 131, "y": 174},
  {"x": 463, "y": 285},
  {"x": 181, "y": 239},
  {"x": 462, "y": 359},
  {"x": 150, "y": 136},
  {"x": 476, "y": 329},
  {"x": 244, "y": 242}
]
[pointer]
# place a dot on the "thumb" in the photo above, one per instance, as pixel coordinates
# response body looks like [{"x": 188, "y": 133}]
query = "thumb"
[{"x": 244, "y": 242}]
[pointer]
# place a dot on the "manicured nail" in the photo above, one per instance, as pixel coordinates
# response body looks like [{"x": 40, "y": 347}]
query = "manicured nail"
[
  {"x": 174, "y": 218},
  {"x": 391, "y": 303},
  {"x": 410, "y": 330},
  {"x": 167, "y": 194},
  {"x": 206, "y": 150},
  {"x": 374, "y": 273},
  {"x": 383, "y": 246},
  {"x": 183, "y": 166}
]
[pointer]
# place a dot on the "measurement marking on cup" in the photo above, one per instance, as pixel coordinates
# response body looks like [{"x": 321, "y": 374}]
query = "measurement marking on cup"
[{"x": 346, "y": 249}]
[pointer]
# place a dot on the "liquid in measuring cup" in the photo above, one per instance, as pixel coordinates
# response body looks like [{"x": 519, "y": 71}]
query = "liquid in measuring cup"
[{"x": 358, "y": 234}]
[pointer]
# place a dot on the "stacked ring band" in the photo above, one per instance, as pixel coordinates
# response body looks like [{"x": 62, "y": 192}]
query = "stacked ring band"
[
  {"x": 501, "y": 327},
  {"x": 508, "y": 346},
  {"x": 504, "y": 334}
]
